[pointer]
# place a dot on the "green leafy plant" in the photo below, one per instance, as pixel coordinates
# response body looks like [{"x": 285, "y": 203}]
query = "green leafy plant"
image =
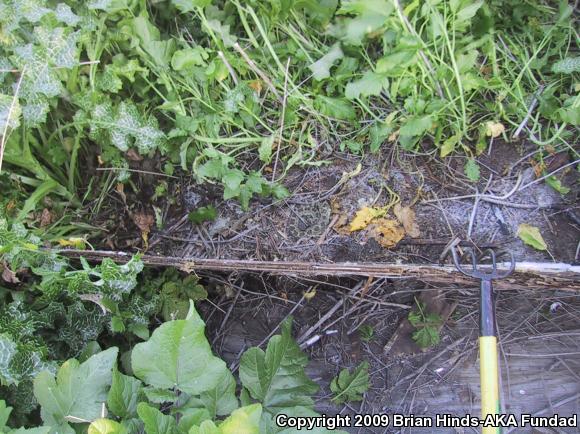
[
  {"x": 366, "y": 332},
  {"x": 350, "y": 386},
  {"x": 180, "y": 387},
  {"x": 426, "y": 324}
]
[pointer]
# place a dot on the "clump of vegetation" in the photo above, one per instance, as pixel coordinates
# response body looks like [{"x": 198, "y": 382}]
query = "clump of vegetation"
[
  {"x": 225, "y": 90},
  {"x": 427, "y": 326},
  {"x": 176, "y": 386}
]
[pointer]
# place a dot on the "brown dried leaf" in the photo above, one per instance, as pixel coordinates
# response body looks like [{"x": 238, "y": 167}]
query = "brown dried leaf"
[
  {"x": 46, "y": 218},
  {"x": 133, "y": 155},
  {"x": 406, "y": 216},
  {"x": 256, "y": 86},
  {"x": 144, "y": 222},
  {"x": 387, "y": 232},
  {"x": 8, "y": 275}
]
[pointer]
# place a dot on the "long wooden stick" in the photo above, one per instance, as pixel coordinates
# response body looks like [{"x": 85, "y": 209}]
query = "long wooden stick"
[{"x": 530, "y": 275}]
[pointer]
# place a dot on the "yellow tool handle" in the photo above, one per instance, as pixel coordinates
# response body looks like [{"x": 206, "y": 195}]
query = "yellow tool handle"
[{"x": 489, "y": 377}]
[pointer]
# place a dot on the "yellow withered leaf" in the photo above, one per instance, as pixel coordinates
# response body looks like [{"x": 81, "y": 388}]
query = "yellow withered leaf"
[
  {"x": 364, "y": 216},
  {"x": 494, "y": 129},
  {"x": 387, "y": 232},
  {"x": 406, "y": 217},
  {"x": 309, "y": 295},
  {"x": 76, "y": 243}
]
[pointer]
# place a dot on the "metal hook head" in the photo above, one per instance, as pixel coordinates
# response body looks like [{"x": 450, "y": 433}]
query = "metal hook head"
[{"x": 485, "y": 273}]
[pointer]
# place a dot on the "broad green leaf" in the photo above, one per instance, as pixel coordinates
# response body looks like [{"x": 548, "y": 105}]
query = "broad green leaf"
[
  {"x": 190, "y": 5},
  {"x": 378, "y": 133},
  {"x": 265, "y": 149},
  {"x": 244, "y": 420},
  {"x": 321, "y": 68},
  {"x": 348, "y": 387},
  {"x": 468, "y": 12},
  {"x": 556, "y": 184},
  {"x": 106, "y": 426},
  {"x": 369, "y": 84},
  {"x": 8, "y": 349},
  {"x": 395, "y": 63},
  {"x": 221, "y": 400},
  {"x": 416, "y": 126},
  {"x": 233, "y": 178},
  {"x": 369, "y": 17},
  {"x": 471, "y": 170},
  {"x": 155, "y": 421},
  {"x": 191, "y": 417},
  {"x": 567, "y": 65},
  {"x": 449, "y": 145},
  {"x": 531, "y": 236},
  {"x": 37, "y": 430},
  {"x": 338, "y": 108},
  {"x": 159, "y": 396},
  {"x": 178, "y": 356},
  {"x": 124, "y": 395},
  {"x": 276, "y": 377},
  {"x": 79, "y": 390},
  {"x": 10, "y": 112},
  {"x": 206, "y": 427},
  {"x": 125, "y": 126},
  {"x": 191, "y": 57},
  {"x": 4, "y": 415},
  {"x": 110, "y": 6}
]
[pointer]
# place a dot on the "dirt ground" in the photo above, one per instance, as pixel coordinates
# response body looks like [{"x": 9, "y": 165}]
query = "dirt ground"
[
  {"x": 304, "y": 227},
  {"x": 539, "y": 329},
  {"x": 539, "y": 334}
]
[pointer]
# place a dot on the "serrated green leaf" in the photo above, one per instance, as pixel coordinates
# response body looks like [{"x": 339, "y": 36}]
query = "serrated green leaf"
[
  {"x": 276, "y": 377},
  {"x": 369, "y": 84},
  {"x": 350, "y": 387},
  {"x": 531, "y": 236},
  {"x": 124, "y": 395},
  {"x": 155, "y": 421},
  {"x": 321, "y": 68},
  {"x": 471, "y": 170},
  {"x": 426, "y": 336},
  {"x": 79, "y": 390},
  {"x": 178, "y": 356},
  {"x": 190, "y": 5}
]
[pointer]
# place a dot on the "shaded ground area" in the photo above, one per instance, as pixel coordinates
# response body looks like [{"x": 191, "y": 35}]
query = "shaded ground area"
[
  {"x": 313, "y": 223},
  {"x": 540, "y": 343}
]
